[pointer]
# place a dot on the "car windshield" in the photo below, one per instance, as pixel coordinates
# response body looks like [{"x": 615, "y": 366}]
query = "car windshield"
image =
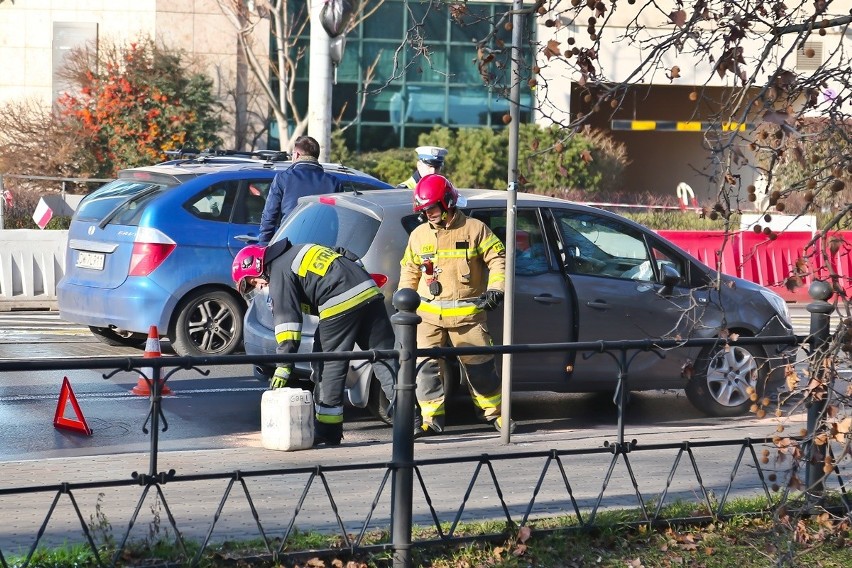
[
  {"x": 118, "y": 198},
  {"x": 331, "y": 226}
]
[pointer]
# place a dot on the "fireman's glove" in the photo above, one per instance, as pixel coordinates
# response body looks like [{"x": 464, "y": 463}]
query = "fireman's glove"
[
  {"x": 279, "y": 379},
  {"x": 490, "y": 300}
]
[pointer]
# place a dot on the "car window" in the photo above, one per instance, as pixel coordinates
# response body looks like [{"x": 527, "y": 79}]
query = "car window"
[
  {"x": 249, "y": 207},
  {"x": 530, "y": 252},
  {"x": 600, "y": 246},
  {"x": 325, "y": 224},
  {"x": 214, "y": 203},
  {"x": 107, "y": 198}
]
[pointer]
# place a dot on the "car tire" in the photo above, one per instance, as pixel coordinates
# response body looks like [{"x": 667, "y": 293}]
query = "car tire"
[
  {"x": 378, "y": 403},
  {"x": 208, "y": 322},
  {"x": 115, "y": 338},
  {"x": 720, "y": 386}
]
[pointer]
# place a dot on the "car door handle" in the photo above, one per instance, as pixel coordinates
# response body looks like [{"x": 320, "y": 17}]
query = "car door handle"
[
  {"x": 547, "y": 299},
  {"x": 598, "y": 305},
  {"x": 247, "y": 238}
]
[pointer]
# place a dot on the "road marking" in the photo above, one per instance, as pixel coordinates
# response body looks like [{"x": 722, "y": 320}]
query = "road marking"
[
  {"x": 38, "y": 323},
  {"x": 126, "y": 395}
]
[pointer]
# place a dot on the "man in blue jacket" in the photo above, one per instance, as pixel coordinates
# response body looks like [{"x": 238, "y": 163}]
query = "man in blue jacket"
[{"x": 305, "y": 177}]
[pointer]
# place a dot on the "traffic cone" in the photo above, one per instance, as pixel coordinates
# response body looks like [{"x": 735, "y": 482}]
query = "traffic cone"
[{"x": 152, "y": 349}]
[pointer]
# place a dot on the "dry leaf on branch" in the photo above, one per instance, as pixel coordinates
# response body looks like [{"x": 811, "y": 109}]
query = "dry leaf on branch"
[
  {"x": 791, "y": 379},
  {"x": 552, "y": 49},
  {"x": 835, "y": 242},
  {"x": 678, "y": 18},
  {"x": 793, "y": 282},
  {"x": 841, "y": 430}
]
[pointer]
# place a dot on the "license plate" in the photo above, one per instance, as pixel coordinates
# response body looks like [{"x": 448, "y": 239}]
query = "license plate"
[{"x": 90, "y": 260}]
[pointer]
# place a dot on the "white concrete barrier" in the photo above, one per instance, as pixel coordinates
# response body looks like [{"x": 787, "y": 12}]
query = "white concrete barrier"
[{"x": 31, "y": 264}]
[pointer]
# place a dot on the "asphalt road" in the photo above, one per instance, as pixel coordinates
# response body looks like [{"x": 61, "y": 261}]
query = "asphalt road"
[{"x": 222, "y": 410}]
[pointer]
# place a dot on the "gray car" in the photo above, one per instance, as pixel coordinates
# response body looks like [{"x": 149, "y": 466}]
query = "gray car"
[{"x": 581, "y": 274}]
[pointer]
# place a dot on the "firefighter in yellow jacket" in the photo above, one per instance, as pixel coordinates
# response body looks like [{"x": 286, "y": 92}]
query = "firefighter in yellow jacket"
[{"x": 457, "y": 266}]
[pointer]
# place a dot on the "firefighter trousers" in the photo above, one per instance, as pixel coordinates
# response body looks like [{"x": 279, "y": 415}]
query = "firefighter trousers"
[
  {"x": 368, "y": 327},
  {"x": 483, "y": 381}
]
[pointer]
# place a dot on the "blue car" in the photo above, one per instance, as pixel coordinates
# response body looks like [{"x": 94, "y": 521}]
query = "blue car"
[{"x": 155, "y": 246}]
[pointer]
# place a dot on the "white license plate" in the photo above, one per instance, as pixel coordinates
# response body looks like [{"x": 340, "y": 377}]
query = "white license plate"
[{"x": 91, "y": 260}]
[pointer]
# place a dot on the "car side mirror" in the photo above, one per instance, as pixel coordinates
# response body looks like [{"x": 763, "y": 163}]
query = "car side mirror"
[{"x": 670, "y": 277}]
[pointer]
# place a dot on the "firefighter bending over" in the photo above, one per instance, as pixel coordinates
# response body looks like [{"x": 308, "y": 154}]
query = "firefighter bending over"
[{"x": 333, "y": 285}]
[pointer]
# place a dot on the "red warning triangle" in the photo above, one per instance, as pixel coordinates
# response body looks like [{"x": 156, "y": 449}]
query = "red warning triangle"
[{"x": 59, "y": 421}]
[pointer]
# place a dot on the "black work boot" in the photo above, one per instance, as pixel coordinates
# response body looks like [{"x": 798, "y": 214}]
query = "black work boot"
[
  {"x": 327, "y": 434},
  {"x": 421, "y": 430}
]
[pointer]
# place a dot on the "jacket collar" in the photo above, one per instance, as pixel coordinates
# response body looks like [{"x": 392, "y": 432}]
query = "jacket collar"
[
  {"x": 458, "y": 220},
  {"x": 309, "y": 159}
]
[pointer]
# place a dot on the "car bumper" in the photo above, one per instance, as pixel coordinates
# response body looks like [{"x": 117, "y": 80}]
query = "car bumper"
[{"x": 135, "y": 306}]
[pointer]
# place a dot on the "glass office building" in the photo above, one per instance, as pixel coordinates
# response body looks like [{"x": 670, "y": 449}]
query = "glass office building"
[{"x": 413, "y": 90}]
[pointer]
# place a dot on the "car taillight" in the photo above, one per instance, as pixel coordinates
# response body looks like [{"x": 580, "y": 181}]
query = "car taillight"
[
  {"x": 379, "y": 279},
  {"x": 147, "y": 257},
  {"x": 150, "y": 249},
  {"x": 328, "y": 200}
]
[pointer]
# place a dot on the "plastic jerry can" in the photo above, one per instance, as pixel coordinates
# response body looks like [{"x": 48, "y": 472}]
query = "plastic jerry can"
[{"x": 287, "y": 419}]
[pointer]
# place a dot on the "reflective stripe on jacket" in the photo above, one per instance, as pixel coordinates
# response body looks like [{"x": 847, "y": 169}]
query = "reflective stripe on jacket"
[
  {"x": 467, "y": 259},
  {"x": 316, "y": 280},
  {"x": 411, "y": 182}
]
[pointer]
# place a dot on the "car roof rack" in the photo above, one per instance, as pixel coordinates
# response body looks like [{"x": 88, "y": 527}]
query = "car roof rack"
[{"x": 212, "y": 155}]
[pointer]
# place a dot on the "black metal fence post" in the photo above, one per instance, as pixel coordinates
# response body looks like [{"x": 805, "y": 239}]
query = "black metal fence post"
[
  {"x": 819, "y": 337},
  {"x": 405, "y": 325},
  {"x": 156, "y": 409}
]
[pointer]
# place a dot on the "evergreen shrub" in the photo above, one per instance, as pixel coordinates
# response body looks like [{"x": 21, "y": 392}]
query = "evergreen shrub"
[{"x": 550, "y": 160}]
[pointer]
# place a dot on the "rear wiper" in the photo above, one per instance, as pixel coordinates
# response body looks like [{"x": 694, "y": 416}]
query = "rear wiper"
[
  {"x": 349, "y": 186},
  {"x": 135, "y": 197}
]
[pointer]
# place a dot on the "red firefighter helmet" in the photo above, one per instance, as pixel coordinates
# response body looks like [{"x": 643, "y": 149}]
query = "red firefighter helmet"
[
  {"x": 247, "y": 264},
  {"x": 433, "y": 189}
]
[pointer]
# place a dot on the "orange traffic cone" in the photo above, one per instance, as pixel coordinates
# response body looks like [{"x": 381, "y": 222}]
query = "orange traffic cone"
[{"x": 152, "y": 349}]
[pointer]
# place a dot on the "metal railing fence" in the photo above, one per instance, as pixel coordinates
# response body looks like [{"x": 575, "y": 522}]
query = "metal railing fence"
[{"x": 576, "y": 494}]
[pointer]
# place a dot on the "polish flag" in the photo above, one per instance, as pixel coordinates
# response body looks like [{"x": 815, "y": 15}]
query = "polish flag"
[{"x": 43, "y": 214}]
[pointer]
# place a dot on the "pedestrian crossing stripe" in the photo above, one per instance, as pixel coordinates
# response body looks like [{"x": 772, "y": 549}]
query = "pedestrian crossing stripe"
[{"x": 678, "y": 126}]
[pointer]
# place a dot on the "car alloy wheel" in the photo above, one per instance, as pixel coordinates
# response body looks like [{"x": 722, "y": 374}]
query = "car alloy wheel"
[
  {"x": 209, "y": 322},
  {"x": 726, "y": 378}
]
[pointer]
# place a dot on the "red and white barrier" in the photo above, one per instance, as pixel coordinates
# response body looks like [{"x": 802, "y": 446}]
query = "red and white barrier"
[{"x": 786, "y": 264}]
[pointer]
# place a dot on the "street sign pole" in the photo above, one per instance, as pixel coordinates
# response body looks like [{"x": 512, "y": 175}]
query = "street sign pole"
[{"x": 511, "y": 214}]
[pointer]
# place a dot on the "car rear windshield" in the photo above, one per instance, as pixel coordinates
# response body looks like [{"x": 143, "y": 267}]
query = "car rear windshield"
[
  {"x": 331, "y": 226},
  {"x": 120, "y": 201}
]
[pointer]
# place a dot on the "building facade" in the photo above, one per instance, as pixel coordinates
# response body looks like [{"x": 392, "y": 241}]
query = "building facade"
[
  {"x": 36, "y": 35},
  {"x": 388, "y": 89}
]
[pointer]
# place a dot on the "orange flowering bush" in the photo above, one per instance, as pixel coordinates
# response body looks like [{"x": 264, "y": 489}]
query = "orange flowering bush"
[{"x": 137, "y": 102}]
